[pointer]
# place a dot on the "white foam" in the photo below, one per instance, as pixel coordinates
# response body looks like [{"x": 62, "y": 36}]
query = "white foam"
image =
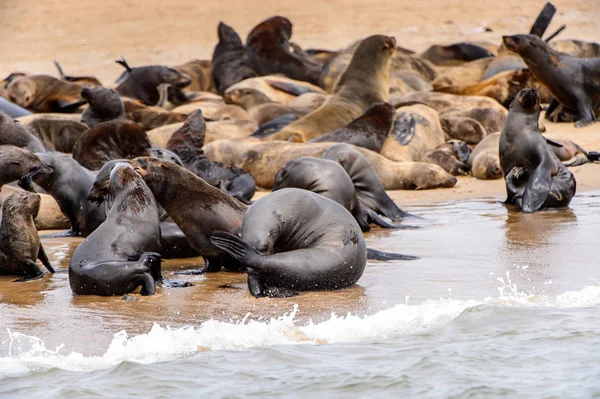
[{"x": 28, "y": 353}]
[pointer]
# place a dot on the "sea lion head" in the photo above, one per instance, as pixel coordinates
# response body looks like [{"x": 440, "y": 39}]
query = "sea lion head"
[
  {"x": 41, "y": 170},
  {"x": 21, "y": 91},
  {"x": 174, "y": 77},
  {"x": 245, "y": 97},
  {"x": 487, "y": 167},
  {"x": 381, "y": 43},
  {"x": 461, "y": 149},
  {"x": 527, "y": 101},
  {"x": 104, "y": 101},
  {"x": 128, "y": 185},
  {"x": 21, "y": 203},
  {"x": 101, "y": 186},
  {"x": 524, "y": 45}
]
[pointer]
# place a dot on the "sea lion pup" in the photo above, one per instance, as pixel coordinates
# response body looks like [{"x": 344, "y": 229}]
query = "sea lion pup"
[
  {"x": 104, "y": 105},
  {"x": 455, "y": 54},
  {"x": 111, "y": 140},
  {"x": 195, "y": 206},
  {"x": 369, "y": 190},
  {"x": 230, "y": 60},
  {"x": 187, "y": 143},
  {"x": 15, "y": 134},
  {"x": 18, "y": 163},
  {"x": 112, "y": 260},
  {"x": 260, "y": 107},
  {"x": 142, "y": 82},
  {"x": 42, "y": 93},
  {"x": 363, "y": 83},
  {"x": 69, "y": 184},
  {"x": 199, "y": 72},
  {"x": 573, "y": 82},
  {"x": 20, "y": 244},
  {"x": 367, "y": 131},
  {"x": 535, "y": 178},
  {"x": 56, "y": 134},
  {"x": 269, "y": 52},
  {"x": 484, "y": 160},
  {"x": 571, "y": 153},
  {"x": 416, "y": 131},
  {"x": 452, "y": 156},
  {"x": 308, "y": 243},
  {"x": 83, "y": 81},
  {"x": 12, "y": 109}
]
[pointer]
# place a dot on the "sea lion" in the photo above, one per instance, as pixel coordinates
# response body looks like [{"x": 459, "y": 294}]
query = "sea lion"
[
  {"x": 69, "y": 184},
  {"x": 42, "y": 93},
  {"x": 56, "y": 134},
  {"x": 230, "y": 62},
  {"x": 455, "y": 54},
  {"x": 534, "y": 176},
  {"x": 295, "y": 240},
  {"x": 187, "y": 143},
  {"x": 20, "y": 244},
  {"x": 269, "y": 52},
  {"x": 195, "y": 206},
  {"x": 445, "y": 102},
  {"x": 416, "y": 131},
  {"x": 15, "y": 134},
  {"x": 18, "y": 163},
  {"x": 363, "y": 83},
  {"x": 142, "y": 82},
  {"x": 104, "y": 105},
  {"x": 278, "y": 88},
  {"x": 571, "y": 153},
  {"x": 154, "y": 117},
  {"x": 484, "y": 160},
  {"x": 263, "y": 159},
  {"x": 199, "y": 71},
  {"x": 110, "y": 140},
  {"x": 577, "y": 48},
  {"x": 367, "y": 131},
  {"x": 83, "y": 81},
  {"x": 451, "y": 156},
  {"x": 462, "y": 128},
  {"x": 490, "y": 119},
  {"x": 12, "y": 109},
  {"x": 468, "y": 73},
  {"x": 573, "y": 82},
  {"x": 112, "y": 260},
  {"x": 274, "y": 125}
]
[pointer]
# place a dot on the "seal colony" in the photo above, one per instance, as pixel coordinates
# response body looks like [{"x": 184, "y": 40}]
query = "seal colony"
[{"x": 166, "y": 161}]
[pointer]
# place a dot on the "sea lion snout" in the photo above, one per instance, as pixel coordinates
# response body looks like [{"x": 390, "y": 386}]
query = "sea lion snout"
[
  {"x": 390, "y": 43},
  {"x": 529, "y": 99}
]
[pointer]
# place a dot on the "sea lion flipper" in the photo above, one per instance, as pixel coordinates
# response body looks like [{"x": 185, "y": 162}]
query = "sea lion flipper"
[
  {"x": 553, "y": 143},
  {"x": 374, "y": 254},
  {"x": 586, "y": 115},
  {"x": 33, "y": 271},
  {"x": 290, "y": 88},
  {"x": 537, "y": 188},
  {"x": 60, "y": 70},
  {"x": 148, "y": 286},
  {"x": 379, "y": 221},
  {"x": 67, "y": 107},
  {"x": 234, "y": 246},
  {"x": 44, "y": 258},
  {"x": 543, "y": 20}
]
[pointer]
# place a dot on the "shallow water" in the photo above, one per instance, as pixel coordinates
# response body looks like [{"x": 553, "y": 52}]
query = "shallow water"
[{"x": 500, "y": 304}]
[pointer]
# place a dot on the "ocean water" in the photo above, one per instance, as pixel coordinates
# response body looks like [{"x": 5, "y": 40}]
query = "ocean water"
[{"x": 499, "y": 305}]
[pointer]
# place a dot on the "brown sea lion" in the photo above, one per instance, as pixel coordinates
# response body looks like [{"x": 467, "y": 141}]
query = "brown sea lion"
[
  {"x": 462, "y": 128},
  {"x": 83, "y": 81},
  {"x": 104, "y": 105},
  {"x": 111, "y": 140},
  {"x": 49, "y": 217},
  {"x": 199, "y": 71},
  {"x": 20, "y": 244},
  {"x": 14, "y": 134},
  {"x": 446, "y": 102},
  {"x": 367, "y": 131},
  {"x": 491, "y": 120},
  {"x": 269, "y": 52},
  {"x": 416, "y": 131},
  {"x": 142, "y": 83},
  {"x": 571, "y": 153},
  {"x": 577, "y": 48},
  {"x": 451, "y": 156},
  {"x": 42, "y": 93},
  {"x": 263, "y": 159},
  {"x": 278, "y": 88},
  {"x": 363, "y": 83},
  {"x": 573, "y": 82},
  {"x": 484, "y": 160},
  {"x": 465, "y": 74},
  {"x": 534, "y": 176},
  {"x": 187, "y": 143},
  {"x": 230, "y": 60},
  {"x": 18, "y": 163},
  {"x": 56, "y": 134}
]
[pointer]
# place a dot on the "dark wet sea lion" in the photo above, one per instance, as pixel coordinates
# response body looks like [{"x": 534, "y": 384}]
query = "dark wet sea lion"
[
  {"x": 187, "y": 143},
  {"x": 110, "y": 140},
  {"x": 367, "y": 131},
  {"x": 274, "y": 125},
  {"x": 42, "y": 93},
  {"x": 455, "y": 54},
  {"x": 112, "y": 260},
  {"x": 19, "y": 241},
  {"x": 535, "y": 178},
  {"x": 269, "y": 52},
  {"x": 295, "y": 240},
  {"x": 56, "y": 134},
  {"x": 452, "y": 156},
  {"x": 83, "y": 81},
  {"x": 363, "y": 83},
  {"x": 69, "y": 184},
  {"x": 13, "y": 133},
  {"x": 12, "y": 109},
  {"x": 142, "y": 82},
  {"x": 485, "y": 159},
  {"x": 230, "y": 62},
  {"x": 104, "y": 105},
  {"x": 17, "y": 163},
  {"x": 573, "y": 82}
]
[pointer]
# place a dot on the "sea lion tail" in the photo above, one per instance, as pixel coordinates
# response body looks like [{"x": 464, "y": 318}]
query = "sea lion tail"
[
  {"x": 234, "y": 246},
  {"x": 374, "y": 254}
]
